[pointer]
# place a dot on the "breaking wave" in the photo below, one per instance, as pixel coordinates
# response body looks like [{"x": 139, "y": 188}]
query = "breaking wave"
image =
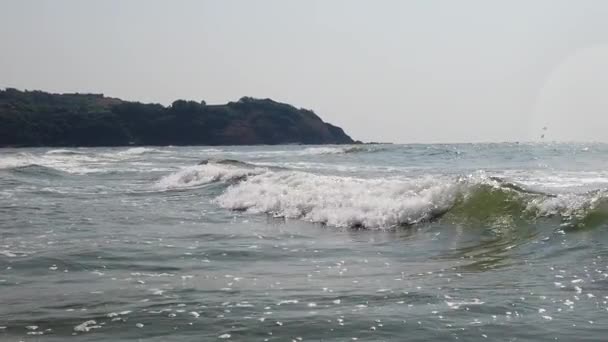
[
  {"x": 389, "y": 202},
  {"x": 208, "y": 171},
  {"x": 340, "y": 201},
  {"x": 13, "y": 162}
]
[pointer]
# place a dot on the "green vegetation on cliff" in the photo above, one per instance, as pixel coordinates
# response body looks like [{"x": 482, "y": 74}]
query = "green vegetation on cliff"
[{"x": 36, "y": 118}]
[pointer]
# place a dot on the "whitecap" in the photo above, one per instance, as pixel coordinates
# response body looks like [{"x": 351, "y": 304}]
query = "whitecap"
[
  {"x": 457, "y": 305},
  {"x": 341, "y": 201},
  {"x": 198, "y": 175},
  {"x": 289, "y": 301},
  {"x": 86, "y": 326},
  {"x": 135, "y": 151},
  {"x": 8, "y": 254},
  {"x": 63, "y": 151}
]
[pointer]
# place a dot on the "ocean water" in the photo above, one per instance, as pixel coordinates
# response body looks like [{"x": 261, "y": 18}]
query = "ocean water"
[{"x": 472, "y": 242}]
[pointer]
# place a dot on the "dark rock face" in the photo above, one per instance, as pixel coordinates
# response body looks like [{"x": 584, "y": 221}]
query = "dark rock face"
[{"x": 35, "y": 118}]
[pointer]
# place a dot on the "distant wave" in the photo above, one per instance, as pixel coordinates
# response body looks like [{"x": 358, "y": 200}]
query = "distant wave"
[
  {"x": 24, "y": 163},
  {"x": 388, "y": 202},
  {"x": 208, "y": 171},
  {"x": 12, "y": 162},
  {"x": 70, "y": 163},
  {"x": 36, "y": 170},
  {"x": 308, "y": 151},
  {"x": 341, "y": 150},
  {"x": 136, "y": 151},
  {"x": 232, "y": 162},
  {"x": 133, "y": 152},
  {"x": 64, "y": 152},
  {"x": 368, "y": 148}
]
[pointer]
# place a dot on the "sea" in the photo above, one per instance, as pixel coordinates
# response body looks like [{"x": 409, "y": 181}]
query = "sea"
[{"x": 441, "y": 242}]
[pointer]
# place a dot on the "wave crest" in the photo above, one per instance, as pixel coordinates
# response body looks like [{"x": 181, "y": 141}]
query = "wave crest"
[
  {"x": 475, "y": 200},
  {"x": 35, "y": 170},
  {"x": 68, "y": 163},
  {"x": 137, "y": 151},
  {"x": 341, "y": 150},
  {"x": 208, "y": 171},
  {"x": 385, "y": 203},
  {"x": 64, "y": 152},
  {"x": 340, "y": 201}
]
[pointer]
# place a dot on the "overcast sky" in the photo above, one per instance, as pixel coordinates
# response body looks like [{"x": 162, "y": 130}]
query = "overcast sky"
[{"x": 400, "y": 71}]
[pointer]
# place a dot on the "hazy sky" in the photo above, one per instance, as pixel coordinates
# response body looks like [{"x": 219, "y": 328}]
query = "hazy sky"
[{"x": 401, "y": 71}]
